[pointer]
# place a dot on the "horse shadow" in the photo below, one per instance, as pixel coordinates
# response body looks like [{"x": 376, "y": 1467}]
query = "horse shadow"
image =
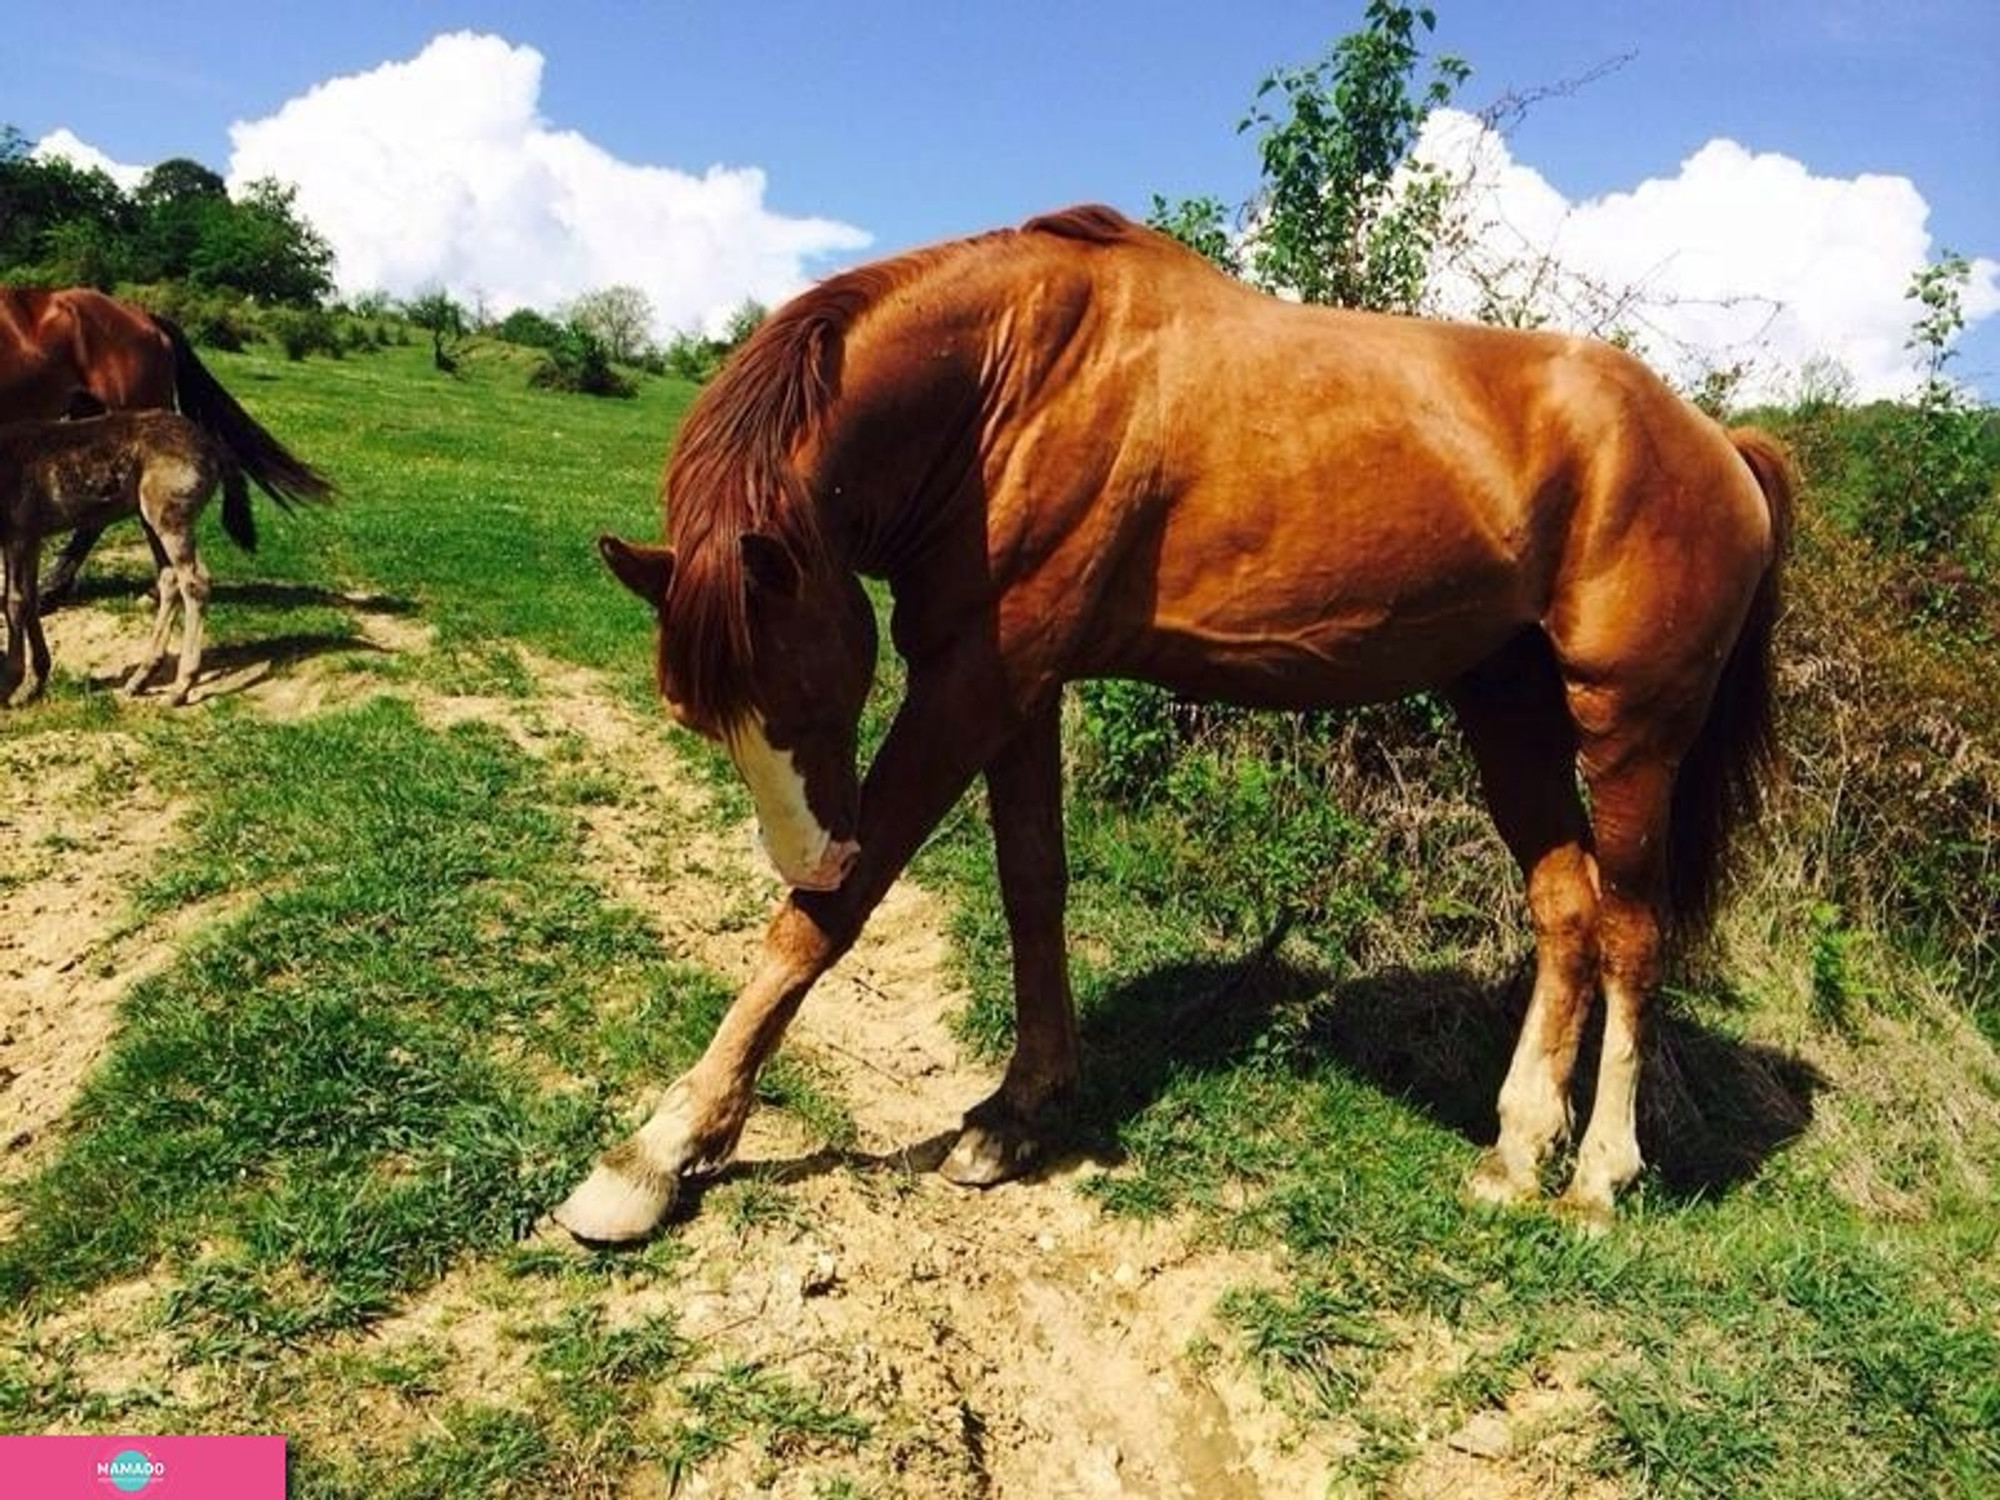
[
  {"x": 1714, "y": 1109},
  {"x": 112, "y": 586},
  {"x": 228, "y": 668}
]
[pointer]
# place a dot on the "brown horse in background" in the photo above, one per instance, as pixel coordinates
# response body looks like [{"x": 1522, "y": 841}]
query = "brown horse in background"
[
  {"x": 1077, "y": 450},
  {"x": 77, "y": 352}
]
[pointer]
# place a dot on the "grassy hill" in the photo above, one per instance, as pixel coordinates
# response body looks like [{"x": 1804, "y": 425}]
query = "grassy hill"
[{"x": 320, "y": 992}]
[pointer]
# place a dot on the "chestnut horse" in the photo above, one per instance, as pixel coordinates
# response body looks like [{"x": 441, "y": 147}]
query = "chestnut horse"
[
  {"x": 1076, "y": 450},
  {"x": 76, "y": 352}
]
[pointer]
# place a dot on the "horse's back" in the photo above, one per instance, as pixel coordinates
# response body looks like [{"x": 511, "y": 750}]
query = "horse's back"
[
  {"x": 59, "y": 345},
  {"x": 56, "y": 476},
  {"x": 1325, "y": 505}
]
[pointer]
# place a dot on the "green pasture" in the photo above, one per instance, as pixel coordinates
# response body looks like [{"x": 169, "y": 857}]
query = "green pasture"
[{"x": 407, "y": 1015}]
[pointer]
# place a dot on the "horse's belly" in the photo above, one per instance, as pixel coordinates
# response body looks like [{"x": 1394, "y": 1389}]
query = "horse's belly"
[{"x": 1360, "y": 655}]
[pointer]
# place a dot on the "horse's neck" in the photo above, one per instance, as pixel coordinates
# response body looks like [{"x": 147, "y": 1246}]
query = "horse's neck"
[{"x": 897, "y": 475}]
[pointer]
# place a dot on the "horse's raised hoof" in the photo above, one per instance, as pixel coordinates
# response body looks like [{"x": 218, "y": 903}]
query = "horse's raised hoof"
[
  {"x": 617, "y": 1206},
  {"x": 1494, "y": 1183}
]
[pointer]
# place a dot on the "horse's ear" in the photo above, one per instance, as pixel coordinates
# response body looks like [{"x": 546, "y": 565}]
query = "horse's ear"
[
  {"x": 645, "y": 570},
  {"x": 770, "y": 566}
]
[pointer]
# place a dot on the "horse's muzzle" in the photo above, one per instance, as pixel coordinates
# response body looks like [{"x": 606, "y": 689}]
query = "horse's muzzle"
[{"x": 828, "y": 871}]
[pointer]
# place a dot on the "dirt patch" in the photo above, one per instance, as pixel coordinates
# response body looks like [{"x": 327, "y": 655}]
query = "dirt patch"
[
  {"x": 70, "y": 850},
  {"x": 82, "y": 826}
]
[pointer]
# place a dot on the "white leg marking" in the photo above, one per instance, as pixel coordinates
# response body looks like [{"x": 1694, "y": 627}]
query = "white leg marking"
[{"x": 1609, "y": 1157}]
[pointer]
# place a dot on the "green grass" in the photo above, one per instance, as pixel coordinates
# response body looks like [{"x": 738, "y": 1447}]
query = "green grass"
[{"x": 334, "y": 1093}]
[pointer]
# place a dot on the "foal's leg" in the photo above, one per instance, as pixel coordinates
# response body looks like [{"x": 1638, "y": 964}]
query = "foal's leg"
[
  {"x": 190, "y": 580},
  {"x": 168, "y": 590},
  {"x": 1002, "y": 1135},
  {"x": 1518, "y": 728},
  {"x": 936, "y": 746}
]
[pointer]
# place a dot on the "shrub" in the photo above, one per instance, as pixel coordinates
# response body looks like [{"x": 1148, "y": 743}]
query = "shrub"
[
  {"x": 530, "y": 329},
  {"x": 213, "y": 319},
  {"x": 300, "y": 331},
  {"x": 1253, "y": 821},
  {"x": 1892, "y": 733},
  {"x": 579, "y": 362}
]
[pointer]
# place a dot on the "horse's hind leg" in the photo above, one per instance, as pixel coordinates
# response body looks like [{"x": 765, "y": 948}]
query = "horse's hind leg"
[
  {"x": 186, "y": 575},
  {"x": 1631, "y": 787},
  {"x": 1518, "y": 728}
]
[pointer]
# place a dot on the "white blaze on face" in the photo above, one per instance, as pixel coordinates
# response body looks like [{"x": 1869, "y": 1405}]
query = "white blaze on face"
[{"x": 803, "y": 850}]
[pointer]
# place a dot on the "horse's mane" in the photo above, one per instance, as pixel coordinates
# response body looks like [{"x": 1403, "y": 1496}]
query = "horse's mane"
[{"x": 732, "y": 469}]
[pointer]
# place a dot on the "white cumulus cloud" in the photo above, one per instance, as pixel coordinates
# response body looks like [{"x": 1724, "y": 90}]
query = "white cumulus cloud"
[
  {"x": 63, "y": 145},
  {"x": 1740, "y": 256},
  {"x": 441, "y": 172}
]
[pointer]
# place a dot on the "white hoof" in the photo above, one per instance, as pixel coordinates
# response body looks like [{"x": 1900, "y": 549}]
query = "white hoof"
[
  {"x": 615, "y": 1206},
  {"x": 1501, "y": 1184}
]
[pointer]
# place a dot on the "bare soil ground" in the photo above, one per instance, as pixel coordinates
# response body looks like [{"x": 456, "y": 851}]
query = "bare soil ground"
[{"x": 1010, "y": 1343}]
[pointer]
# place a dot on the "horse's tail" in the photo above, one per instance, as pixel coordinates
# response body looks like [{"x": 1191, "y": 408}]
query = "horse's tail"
[
  {"x": 282, "y": 475},
  {"x": 1722, "y": 782},
  {"x": 237, "y": 517}
]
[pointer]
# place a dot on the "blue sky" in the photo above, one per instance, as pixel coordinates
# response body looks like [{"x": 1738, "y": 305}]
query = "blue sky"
[{"x": 909, "y": 122}]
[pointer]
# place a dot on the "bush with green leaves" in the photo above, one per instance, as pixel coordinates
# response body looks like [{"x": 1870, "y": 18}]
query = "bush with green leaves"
[
  {"x": 1937, "y": 463},
  {"x": 579, "y": 363}
]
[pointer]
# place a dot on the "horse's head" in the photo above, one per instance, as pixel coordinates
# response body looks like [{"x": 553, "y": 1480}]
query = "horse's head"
[{"x": 811, "y": 658}]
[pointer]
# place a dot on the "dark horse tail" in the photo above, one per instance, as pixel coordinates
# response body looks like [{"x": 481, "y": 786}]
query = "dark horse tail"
[
  {"x": 237, "y": 518},
  {"x": 1722, "y": 782},
  {"x": 282, "y": 475}
]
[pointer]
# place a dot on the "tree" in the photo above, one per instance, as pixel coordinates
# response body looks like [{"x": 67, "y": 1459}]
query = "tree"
[
  {"x": 264, "y": 249},
  {"x": 1202, "y": 224},
  {"x": 444, "y": 320},
  {"x": 578, "y": 361},
  {"x": 526, "y": 326},
  {"x": 1345, "y": 214},
  {"x": 695, "y": 356},
  {"x": 179, "y": 203},
  {"x": 1937, "y": 474},
  {"x": 618, "y": 317},
  {"x": 59, "y": 222}
]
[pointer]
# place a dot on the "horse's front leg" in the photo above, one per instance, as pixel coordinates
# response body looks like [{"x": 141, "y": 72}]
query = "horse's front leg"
[
  {"x": 62, "y": 577},
  {"x": 937, "y": 744},
  {"x": 696, "y": 1124},
  {"x": 22, "y": 560},
  {"x": 1006, "y": 1134}
]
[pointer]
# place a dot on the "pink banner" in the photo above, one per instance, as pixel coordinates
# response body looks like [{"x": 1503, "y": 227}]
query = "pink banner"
[{"x": 160, "y": 1468}]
